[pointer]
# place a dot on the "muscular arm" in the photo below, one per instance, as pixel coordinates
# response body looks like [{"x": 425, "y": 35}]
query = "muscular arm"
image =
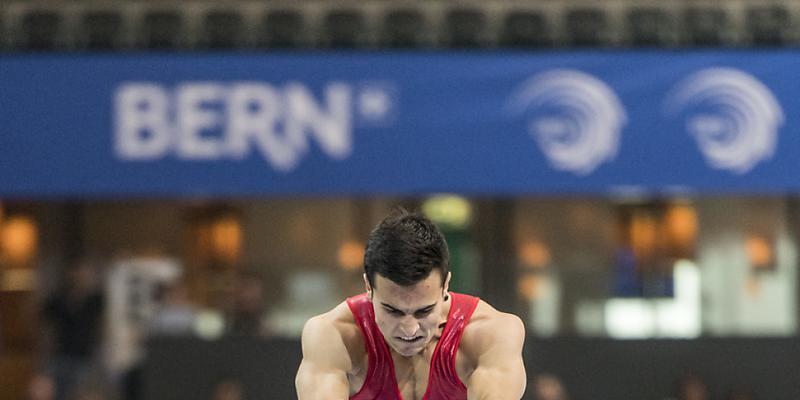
[
  {"x": 500, "y": 372},
  {"x": 323, "y": 371}
]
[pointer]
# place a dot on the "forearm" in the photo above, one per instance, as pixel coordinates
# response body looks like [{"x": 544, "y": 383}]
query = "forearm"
[
  {"x": 319, "y": 394},
  {"x": 497, "y": 384},
  {"x": 321, "y": 390},
  {"x": 314, "y": 384},
  {"x": 495, "y": 394}
]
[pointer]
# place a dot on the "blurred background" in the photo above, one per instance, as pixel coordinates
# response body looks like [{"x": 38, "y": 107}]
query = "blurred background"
[{"x": 143, "y": 291}]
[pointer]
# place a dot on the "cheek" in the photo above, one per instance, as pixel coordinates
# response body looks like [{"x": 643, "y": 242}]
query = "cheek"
[
  {"x": 429, "y": 323},
  {"x": 384, "y": 323}
]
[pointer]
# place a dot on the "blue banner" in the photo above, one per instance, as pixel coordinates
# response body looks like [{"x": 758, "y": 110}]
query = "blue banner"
[{"x": 594, "y": 122}]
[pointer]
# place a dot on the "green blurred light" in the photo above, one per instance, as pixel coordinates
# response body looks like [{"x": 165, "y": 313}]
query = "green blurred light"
[{"x": 450, "y": 210}]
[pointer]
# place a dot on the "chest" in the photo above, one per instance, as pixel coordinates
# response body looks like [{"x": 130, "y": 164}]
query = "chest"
[{"x": 411, "y": 374}]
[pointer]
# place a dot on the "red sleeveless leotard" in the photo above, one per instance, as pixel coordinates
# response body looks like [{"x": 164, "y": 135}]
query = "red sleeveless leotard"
[{"x": 443, "y": 381}]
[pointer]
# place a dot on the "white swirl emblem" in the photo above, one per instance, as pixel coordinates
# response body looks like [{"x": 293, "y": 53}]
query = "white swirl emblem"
[
  {"x": 577, "y": 119},
  {"x": 732, "y": 115}
]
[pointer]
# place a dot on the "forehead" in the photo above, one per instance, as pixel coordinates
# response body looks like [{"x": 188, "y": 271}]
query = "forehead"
[{"x": 420, "y": 294}]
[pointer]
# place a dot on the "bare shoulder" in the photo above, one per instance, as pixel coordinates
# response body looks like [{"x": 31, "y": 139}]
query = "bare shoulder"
[
  {"x": 488, "y": 328},
  {"x": 488, "y": 320},
  {"x": 339, "y": 317},
  {"x": 332, "y": 337}
]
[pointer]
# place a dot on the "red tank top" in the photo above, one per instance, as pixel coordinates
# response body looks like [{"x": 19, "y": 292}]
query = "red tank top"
[{"x": 443, "y": 381}]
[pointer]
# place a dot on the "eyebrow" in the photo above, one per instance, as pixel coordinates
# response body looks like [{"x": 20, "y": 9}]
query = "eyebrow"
[{"x": 416, "y": 311}]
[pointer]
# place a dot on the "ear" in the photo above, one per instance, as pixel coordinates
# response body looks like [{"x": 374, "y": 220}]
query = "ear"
[
  {"x": 367, "y": 285},
  {"x": 446, "y": 287}
]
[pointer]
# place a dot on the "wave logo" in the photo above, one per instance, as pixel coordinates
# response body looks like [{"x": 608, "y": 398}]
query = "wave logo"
[
  {"x": 733, "y": 117},
  {"x": 575, "y": 118}
]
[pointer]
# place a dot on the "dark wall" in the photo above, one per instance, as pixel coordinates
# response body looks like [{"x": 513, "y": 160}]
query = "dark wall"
[
  {"x": 592, "y": 369},
  {"x": 604, "y": 369},
  {"x": 189, "y": 369}
]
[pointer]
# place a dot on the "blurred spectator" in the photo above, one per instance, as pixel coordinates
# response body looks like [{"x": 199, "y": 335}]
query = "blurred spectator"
[
  {"x": 740, "y": 394},
  {"x": 90, "y": 393},
  {"x": 72, "y": 320},
  {"x": 132, "y": 287},
  {"x": 691, "y": 387},
  {"x": 228, "y": 390},
  {"x": 42, "y": 387},
  {"x": 175, "y": 315},
  {"x": 548, "y": 387},
  {"x": 248, "y": 315}
]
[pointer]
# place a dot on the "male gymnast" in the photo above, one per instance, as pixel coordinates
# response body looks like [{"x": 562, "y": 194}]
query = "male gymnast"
[{"x": 408, "y": 337}]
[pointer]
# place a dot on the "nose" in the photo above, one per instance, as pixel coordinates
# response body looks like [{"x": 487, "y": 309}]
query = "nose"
[{"x": 408, "y": 326}]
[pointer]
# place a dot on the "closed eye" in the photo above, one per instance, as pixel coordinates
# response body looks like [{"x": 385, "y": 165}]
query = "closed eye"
[
  {"x": 420, "y": 313},
  {"x": 396, "y": 313},
  {"x": 424, "y": 312}
]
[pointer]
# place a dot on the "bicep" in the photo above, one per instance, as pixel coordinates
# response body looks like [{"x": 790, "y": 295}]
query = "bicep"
[
  {"x": 500, "y": 372},
  {"x": 323, "y": 371}
]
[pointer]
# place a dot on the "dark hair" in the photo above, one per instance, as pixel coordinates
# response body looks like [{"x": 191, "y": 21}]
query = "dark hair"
[{"x": 404, "y": 248}]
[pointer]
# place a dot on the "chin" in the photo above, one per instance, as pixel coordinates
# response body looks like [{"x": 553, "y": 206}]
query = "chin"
[{"x": 408, "y": 351}]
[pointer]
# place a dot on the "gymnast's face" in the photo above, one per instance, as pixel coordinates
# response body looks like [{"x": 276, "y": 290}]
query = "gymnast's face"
[{"x": 409, "y": 316}]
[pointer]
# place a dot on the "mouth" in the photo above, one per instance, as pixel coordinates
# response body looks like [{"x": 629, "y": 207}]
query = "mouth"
[{"x": 409, "y": 339}]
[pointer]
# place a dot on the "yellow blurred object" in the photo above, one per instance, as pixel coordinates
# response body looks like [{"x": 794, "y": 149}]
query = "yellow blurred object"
[
  {"x": 226, "y": 239},
  {"x": 759, "y": 252},
  {"x": 451, "y": 210},
  {"x": 681, "y": 228},
  {"x": 534, "y": 254},
  {"x": 530, "y": 286},
  {"x": 351, "y": 255},
  {"x": 643, "y": 234},
  {"x": 19, "y": 238}
]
